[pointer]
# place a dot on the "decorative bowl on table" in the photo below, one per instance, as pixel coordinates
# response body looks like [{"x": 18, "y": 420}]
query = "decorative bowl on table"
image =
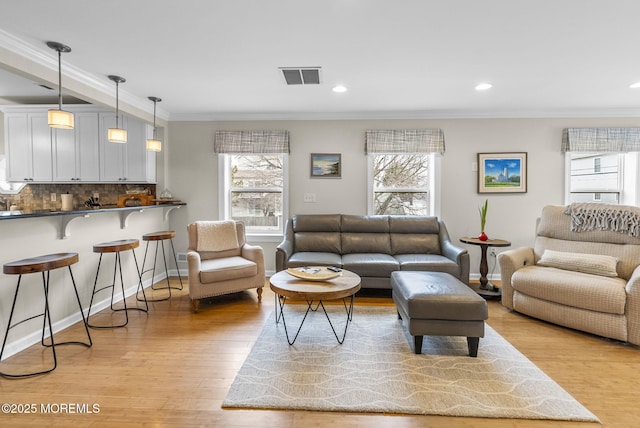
[{"x": 313, "y": 273}]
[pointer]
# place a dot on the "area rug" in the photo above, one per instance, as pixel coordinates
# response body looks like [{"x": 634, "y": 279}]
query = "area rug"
[{"x": 376, "y": 370}]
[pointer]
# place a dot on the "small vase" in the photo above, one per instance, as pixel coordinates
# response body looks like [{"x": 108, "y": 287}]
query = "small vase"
[{"x": 483, "y": 237}]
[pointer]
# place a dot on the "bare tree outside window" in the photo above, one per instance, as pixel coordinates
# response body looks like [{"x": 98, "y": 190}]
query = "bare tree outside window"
[
  {"x": 256, "y": 190},
  {"x": 401, "y": 184}
]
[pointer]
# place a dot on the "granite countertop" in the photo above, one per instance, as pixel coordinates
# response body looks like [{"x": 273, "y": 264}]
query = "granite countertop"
[{"x": 9, "y": 215}]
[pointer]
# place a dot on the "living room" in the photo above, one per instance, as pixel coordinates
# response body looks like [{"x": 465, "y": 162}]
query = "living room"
[{"x": 127, "y": 373}]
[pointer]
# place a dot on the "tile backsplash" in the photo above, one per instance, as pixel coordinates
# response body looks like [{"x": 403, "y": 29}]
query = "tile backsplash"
[{"x": 38, "y": 196}]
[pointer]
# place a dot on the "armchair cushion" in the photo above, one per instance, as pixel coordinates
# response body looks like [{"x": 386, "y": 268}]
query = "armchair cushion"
[
  {"x": 570, "y": 288},
  {"x": 216, "y": 235},
  {"x": 595, "y": 264},
  {"x": 224, "y": 269}
]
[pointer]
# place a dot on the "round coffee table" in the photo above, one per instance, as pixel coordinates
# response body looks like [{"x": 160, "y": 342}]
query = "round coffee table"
[{"x": 286, "y": 286}]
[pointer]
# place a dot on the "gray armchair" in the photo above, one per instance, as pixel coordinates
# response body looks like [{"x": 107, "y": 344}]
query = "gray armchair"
[{"x": 222, "y": 269}]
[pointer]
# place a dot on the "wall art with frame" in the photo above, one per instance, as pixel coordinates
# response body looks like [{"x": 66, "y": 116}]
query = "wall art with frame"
[
  {"x": 326, "y": 165},
  {"x": 502, "y": 172}
]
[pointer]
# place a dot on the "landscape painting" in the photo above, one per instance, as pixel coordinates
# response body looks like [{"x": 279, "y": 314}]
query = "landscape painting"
[
  {"x": 502, "y": 172},
  {"x": 326, "y": 165}
]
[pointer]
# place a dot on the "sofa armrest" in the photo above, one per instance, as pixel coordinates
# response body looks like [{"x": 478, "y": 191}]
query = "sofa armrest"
[
  {"x": 284, "y": 250},
  {"x": 633, "y": 307},
  {"x": 459, "y": 255},
  {"x": 454, "y": 253},
  {"x": 510, "y": 261}
]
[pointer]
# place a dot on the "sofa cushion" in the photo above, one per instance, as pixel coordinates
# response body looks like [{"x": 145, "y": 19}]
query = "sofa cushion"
[
  {"x": 216, "y": 270},
  {"x": 328, "y": 242},
  {"x": 427, "y": 262},
  {"x": 372, "y": 264},
  {"x": 316, "y": 222},
  {"x": 414, "y": 224},
  {"x": 365, "y": 243},
  {"x": 365, "y": 223},
  {"x": 403, "y": 243},
  {"x": 577, "y": 289},
  {"x": 314, "y": 258},
  {"x": 595, "y": 264}
]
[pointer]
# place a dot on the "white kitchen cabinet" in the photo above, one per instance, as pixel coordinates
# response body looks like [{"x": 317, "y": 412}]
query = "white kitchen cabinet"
[
  {"x": 37, "y": 153},
  {"x": 128, "y": 162},
  {"x": 28, "y": 147},
  {"x": 76, "y": 152}
]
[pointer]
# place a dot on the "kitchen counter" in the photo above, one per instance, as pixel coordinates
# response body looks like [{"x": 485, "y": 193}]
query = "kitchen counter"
[{"x": 67, "y": 216}]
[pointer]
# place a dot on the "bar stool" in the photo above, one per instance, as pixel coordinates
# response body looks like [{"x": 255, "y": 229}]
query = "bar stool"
[
  {"x": 117, "y": 247},
  {"x": 43, "y": 264},
  {"x": 160, "y": 237}
]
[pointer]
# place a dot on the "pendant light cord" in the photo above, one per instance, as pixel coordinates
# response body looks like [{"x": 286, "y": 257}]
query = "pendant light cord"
[
  {"x": 59, "y": 79},
  {"x": 117, "y": 97},
  {"x": 154, "y": 119}
]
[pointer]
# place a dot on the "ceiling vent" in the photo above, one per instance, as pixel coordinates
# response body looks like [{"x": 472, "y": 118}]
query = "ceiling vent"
[{"x": 301, "y": 75}]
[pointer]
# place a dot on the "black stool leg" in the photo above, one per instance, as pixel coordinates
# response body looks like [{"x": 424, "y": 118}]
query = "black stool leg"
[
  {"x": 140, "y": 287},
  {"x": 46, "y": 317},
  {"x": 46, "y": 323},
  {"x": 117, "y": 268},
  {"x": 166, "y": 269},
  {"x": 175, "y": 259}
]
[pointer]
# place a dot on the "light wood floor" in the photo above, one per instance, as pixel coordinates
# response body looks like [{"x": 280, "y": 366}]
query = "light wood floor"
[{"x": 171, "y": 367}]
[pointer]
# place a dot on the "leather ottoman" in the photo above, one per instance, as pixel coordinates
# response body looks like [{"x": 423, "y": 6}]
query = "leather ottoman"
[{"x": 438, "y": 304}]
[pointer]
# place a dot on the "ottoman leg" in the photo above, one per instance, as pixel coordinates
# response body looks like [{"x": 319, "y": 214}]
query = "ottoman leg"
[
  {"x": 473, "y": 342},
  {"x": 417, "y": 340}
]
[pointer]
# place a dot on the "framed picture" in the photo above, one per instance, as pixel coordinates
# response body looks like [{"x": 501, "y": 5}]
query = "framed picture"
[
  {"x": 502, "y": 172},
  {"x": 326, "y": 165}
]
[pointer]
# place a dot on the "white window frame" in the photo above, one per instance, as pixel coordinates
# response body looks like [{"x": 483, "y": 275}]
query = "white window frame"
[
  {"x": 434, "y": 179},
  {"x": 224, "y": 197},
  {"x": 629, "y": 179}
]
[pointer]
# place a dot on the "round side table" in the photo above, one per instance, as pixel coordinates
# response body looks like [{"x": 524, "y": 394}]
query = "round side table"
[{"x": 486, "y": 289}]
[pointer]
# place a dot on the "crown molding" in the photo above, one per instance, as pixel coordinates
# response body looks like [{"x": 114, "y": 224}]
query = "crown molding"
[{"x": 404, "y": 115}]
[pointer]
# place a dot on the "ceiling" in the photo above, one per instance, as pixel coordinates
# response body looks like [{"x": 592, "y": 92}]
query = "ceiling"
[{"x": 215, "y": 59}]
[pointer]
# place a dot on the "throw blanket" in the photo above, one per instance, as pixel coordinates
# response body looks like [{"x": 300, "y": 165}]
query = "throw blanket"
[
  {"x": 618, "y": 218},
  {"x": 216, "y": 235}
]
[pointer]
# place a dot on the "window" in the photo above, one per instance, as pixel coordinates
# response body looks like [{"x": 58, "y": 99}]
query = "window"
[
  {"x": 254, "y": 189},
  {"x": 602, "y": 177},
  {"x": 402, "y": 184}
]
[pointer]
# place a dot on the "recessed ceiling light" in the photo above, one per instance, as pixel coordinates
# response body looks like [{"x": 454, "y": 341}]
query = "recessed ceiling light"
[
  {"x": 635, "y": 85},
  {"x": 339, "y": 89},
  {"x": 483, "y": 86}
]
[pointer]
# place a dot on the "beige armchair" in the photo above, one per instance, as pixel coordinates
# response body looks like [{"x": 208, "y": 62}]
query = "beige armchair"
[{"x": 221, "y": 262}]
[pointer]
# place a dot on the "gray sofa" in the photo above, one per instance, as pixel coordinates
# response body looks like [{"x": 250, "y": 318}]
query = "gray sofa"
[{"x": 371, "y": 246}]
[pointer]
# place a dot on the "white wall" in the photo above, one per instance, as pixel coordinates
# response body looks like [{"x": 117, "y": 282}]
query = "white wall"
[{"x": 193, "y": 171}]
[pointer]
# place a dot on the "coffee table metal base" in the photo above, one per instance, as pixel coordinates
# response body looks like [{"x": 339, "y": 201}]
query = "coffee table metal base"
[{"x": 280, "y": 302}]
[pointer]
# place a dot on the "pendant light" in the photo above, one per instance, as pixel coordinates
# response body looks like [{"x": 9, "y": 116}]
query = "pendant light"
[
  {"x": 154, "y": 145},
  {"x": 117, "y": 135},
  {"x": 60, "y": 118}
]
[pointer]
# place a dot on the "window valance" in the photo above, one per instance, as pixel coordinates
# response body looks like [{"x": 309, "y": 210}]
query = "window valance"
[
  {"x": 236, "y": 142},
  {"x": 593, "y": 140},
  {"x": 404, "y": 141}
]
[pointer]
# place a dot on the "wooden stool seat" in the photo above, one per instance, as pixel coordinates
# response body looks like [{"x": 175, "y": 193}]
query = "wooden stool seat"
[
  {"x": 159, "y": 236},
  {"x": 40, "y": 263},
  {"x": 43, "y": 265},
  {"x": 116, "y": 246}
]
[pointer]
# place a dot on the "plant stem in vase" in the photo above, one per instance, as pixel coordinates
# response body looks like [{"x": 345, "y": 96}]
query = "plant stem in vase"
[{"x": 483, "y": 220}]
